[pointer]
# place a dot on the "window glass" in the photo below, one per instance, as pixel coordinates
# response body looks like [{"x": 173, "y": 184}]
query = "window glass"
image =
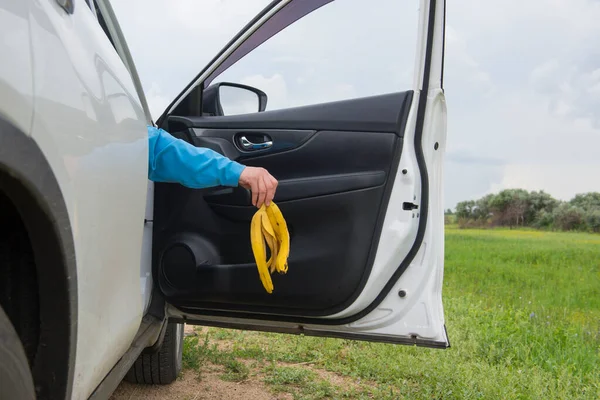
[
  {"x": 343, "y": 50},
  {"x": 236, "y": 100}
]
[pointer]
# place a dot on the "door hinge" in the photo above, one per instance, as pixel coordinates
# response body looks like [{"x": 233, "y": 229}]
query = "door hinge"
[{"x": 406, "y": 206}]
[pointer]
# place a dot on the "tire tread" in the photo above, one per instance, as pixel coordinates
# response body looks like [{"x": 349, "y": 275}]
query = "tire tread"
[{"x": 159, "y": 368}]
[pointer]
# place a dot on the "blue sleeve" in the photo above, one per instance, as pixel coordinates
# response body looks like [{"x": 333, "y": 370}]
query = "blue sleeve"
[{"x": 174, "y": 160}]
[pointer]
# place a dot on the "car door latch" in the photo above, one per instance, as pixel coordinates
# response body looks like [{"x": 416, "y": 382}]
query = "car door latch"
[
  {"x": 406, "y": 206},
  {"x": 248, "y": 143}
]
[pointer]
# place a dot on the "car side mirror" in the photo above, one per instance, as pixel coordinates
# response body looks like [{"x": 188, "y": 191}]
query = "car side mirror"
[{"x": 225, "y": 98}]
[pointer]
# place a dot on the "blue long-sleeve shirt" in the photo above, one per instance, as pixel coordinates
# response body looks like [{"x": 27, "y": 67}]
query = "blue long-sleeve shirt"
[{"x": 174, "y": 160}]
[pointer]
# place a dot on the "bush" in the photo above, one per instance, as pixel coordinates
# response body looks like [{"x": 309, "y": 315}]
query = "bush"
[
  {"x": 449, "y": 219},
  {"x": 464, "y": 223},
  {"x": 520, "y": 208},
  {"x": 568, "y": 218},
  {"x": 587, "y": 201},
  {"x": 543, "y": 220},
  {"x": 592, "y": 220}
]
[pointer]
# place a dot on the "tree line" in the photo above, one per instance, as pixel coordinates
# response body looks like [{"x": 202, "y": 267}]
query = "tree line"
[{"x": 519, "y": 207}]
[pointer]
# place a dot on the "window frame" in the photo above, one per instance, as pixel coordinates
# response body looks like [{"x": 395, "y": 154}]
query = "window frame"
[
  {"x": 107, "y": 20},
  {"x": 92, "y": 5}
]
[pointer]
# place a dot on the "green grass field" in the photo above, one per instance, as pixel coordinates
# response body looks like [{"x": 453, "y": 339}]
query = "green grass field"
[{"x": 522, "y": 312}]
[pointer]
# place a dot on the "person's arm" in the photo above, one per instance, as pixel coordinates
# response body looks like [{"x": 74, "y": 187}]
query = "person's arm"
[{"x": 174, "y": 160}]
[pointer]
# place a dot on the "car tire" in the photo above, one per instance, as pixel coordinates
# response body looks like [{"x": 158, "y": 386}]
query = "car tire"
[
  {"x": 16, "y": 381},
  {"x": 163, "y": 366}
]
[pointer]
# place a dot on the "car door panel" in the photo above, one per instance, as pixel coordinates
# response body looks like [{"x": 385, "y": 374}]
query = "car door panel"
[
  {"x": 320, "y": 280},
  {"x": 331, "y": 191},
  {"x": 354, "y": 188}
]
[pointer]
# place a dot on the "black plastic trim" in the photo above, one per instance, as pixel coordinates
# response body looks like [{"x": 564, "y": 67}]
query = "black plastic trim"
[
  {"x": 300, "y": 330},
  {"x": 303, "y": 188},
  {"x": 211, "y": 101},
  {"x": 443, "y": 48},
  {"x": 367, "y": 114},
  {"x": 225, "y": 141},
  {"x": 27, "y": 180},
  {"x": 155, "y": 348}
]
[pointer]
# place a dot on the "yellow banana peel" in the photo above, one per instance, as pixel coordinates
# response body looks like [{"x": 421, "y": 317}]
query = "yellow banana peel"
[{"x": 268, "y": 225}]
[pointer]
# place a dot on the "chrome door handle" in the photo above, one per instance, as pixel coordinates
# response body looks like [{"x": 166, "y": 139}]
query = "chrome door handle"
[{"x": 248, "y": 145}]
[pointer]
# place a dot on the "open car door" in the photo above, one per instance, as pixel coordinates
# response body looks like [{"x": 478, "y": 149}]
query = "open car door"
[{"x": 360, "y": 186}]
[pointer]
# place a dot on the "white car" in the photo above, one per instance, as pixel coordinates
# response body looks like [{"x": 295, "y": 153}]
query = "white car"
[{"x": 100, "y": 268}]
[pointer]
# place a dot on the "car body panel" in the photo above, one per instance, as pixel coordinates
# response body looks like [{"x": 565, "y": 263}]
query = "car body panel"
[
  {"x": 16, "y": 79},
  {"x": 91, "y": 127},
  {"x": 113, "y": 28}
]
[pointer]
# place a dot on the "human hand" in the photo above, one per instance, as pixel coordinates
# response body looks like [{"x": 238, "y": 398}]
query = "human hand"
[{"x": 260, "y": 183}]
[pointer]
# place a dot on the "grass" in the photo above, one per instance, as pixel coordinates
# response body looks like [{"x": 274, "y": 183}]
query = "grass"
[
  {"x": 523, "y": 315},
  {"x": 300, "y": 382},
  {"x": 196, "y": 356}
]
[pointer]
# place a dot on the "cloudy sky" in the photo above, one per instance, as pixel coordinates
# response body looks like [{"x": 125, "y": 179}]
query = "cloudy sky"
[{"x": 522, "y": 77}]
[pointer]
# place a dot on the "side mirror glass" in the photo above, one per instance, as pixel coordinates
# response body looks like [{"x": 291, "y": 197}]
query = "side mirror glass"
[
  {"x": 236, "y": 100},
  {"x": 225, "y": 99}
]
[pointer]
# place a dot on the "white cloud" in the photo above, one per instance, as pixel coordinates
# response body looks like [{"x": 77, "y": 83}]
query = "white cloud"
[
  {"x": 544, "y": 75},
  {"x": 542, "y": 119},
  {"x": 171, "y": 41},
  {"x": 561, "y": 181},
  {"x": 213, "y": 17}
]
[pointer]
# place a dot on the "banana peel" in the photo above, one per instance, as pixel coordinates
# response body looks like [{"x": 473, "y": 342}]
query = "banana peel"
[{"x": 269, "y": 229}]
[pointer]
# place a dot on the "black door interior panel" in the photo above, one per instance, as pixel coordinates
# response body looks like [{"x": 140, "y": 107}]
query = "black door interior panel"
[
  {"x": 334, "y": 175},
  {"x": 199, "y": 272},
  {"x": 227, "y": 141},
  {"x": 282, "y": 139},
  {"x": 294, "y": 189},
  {"x": 368, "y": 114},
  {"x": 331, "y": 153}
]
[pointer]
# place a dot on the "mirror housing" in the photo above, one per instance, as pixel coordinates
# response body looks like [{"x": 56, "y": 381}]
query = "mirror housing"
[{"x": 234, "y": 98}]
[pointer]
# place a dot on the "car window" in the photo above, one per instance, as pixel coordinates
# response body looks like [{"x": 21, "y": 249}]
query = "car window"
[{"x": 315, "y": 59}]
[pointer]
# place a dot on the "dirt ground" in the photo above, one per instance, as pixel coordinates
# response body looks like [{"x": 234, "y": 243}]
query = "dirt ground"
[
  {"x": 210, "y": 386},
  {"x": 190, "y": 388}
]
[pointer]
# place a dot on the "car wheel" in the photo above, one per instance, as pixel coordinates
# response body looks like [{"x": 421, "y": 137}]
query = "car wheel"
[
  {"x": 16, "y": 381},
  {"x": 163, "y": 366}
]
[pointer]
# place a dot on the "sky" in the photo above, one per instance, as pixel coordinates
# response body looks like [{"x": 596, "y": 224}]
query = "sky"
[{"x": 522, "y": 78}]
